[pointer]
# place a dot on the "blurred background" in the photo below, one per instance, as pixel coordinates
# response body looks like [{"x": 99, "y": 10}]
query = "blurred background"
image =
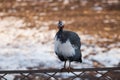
[{"x": 28, "y": 27}]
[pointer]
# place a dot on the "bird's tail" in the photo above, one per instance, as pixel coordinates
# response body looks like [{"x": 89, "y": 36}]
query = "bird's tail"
[{"x": 80, "y": 60}]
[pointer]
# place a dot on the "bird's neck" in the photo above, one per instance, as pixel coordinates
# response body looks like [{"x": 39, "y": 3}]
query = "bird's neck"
[
  {"x": 61, "y": 29},
  {"x": 60, "y": 32}
]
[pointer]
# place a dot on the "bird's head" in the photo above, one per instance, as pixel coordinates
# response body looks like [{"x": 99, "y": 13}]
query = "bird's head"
[{"x": 60, "y": 25}]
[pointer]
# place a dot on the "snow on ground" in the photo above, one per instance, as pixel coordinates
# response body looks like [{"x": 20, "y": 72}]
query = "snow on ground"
[
  {"x": 21, "y": 48},
  {"x": 111, "y": 58}
]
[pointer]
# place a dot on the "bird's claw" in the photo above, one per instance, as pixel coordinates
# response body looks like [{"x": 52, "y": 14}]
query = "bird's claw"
[
  {"x": 63, "y": 69},
  {"x": 69, "y": 69}
]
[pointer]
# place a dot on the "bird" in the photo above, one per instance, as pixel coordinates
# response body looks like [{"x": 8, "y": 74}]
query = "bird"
[{"x": 67, "y": 46}]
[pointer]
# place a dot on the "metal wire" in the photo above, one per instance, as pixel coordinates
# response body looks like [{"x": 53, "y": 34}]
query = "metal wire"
[{"x": 109, "y": 73}]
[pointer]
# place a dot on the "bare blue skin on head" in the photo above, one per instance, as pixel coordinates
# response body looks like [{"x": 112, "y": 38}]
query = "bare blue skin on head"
[{"x": 60, "y": 24}]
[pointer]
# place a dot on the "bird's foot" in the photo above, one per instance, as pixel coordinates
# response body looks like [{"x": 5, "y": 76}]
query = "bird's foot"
[
  {"x": 63, "y": 69},
  {"x": 69, "y": 69}
]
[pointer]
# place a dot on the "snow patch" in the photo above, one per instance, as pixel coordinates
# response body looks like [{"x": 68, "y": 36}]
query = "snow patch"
[{"x": 21, "y": 48}]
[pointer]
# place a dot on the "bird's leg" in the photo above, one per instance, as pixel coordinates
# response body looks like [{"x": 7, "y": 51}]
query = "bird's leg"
[
  {"x": 70, "y": 68},
  {"x": 64, "y": 68},
  {"x": 69, "y": 64},
  {"x": 65, "y": 64}
]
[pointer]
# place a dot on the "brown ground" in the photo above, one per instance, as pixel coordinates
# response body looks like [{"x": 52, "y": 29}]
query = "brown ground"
[{"x": 104, "y": 23}]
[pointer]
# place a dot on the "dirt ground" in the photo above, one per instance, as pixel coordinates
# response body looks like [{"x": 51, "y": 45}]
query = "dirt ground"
[{"x": 89, "y": 17}]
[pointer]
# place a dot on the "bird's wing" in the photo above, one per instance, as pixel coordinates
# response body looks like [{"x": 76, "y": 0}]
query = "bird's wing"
[{"x": 75, "y": 40}]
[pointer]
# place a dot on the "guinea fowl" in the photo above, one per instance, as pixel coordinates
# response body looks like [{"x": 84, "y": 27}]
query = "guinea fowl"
[{"x": 67, "y": 46}]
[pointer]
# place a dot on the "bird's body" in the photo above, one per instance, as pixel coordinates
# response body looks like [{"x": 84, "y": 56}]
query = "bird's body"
[{"x": 67, "y": 45}]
